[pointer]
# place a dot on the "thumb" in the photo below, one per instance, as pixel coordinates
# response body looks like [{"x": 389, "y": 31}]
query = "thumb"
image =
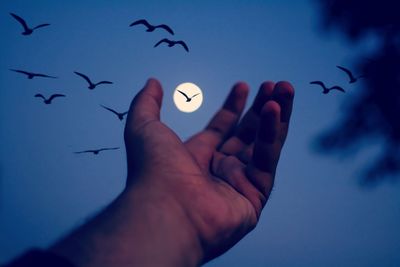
[{"x": 146, "y": 105}]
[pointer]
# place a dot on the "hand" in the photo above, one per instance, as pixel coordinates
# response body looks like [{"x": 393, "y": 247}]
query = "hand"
[
  {"x": 186, "y": 203},
  {"x": 220, "y": 179}
]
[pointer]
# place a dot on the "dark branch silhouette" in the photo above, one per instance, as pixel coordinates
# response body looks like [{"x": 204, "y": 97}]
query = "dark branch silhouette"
[
  {"x": 327, "y": 90},
  {"x": 172, "y": 43},
  {"x": 96, "y": 151},
  {"x": 27, "y": 30},
  {"x": 50, "y": 99},
  {"x": 372, "y": 116},
  {"x": 119, "y": 115},
  {"x": 150, "y": 27},
  {"x": 352, "y": 78},
  {"x": 91, "y": 84},
  {"x": 32, "y": 75}
]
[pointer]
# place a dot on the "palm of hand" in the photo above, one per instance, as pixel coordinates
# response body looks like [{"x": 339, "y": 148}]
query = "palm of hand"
[{"x": 222, "y": 176}]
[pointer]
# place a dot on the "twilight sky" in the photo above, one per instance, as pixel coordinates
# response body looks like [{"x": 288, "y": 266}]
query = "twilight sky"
[{"x": 318, "y": 215}]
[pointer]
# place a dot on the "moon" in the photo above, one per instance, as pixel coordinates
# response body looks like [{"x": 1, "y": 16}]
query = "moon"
[{"x": 188, "y": 97}]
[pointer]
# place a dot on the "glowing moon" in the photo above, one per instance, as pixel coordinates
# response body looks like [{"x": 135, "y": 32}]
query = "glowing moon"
[{"x": 188, "y": 97}]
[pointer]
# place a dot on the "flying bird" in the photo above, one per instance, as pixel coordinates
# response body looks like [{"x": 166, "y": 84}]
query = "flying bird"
[
  {"x": 150, "y": 27},
  {"x": 48, "y": 100},
  {"x": 91, "y": 84},
  {"x": 353, "y": 79},
  {"x": 188, "y": 99},
  {"x": 27, "y": 30},
  {"x": 172, "y": 43},
  {"x": 96, "y": 151},
  {"x": 32, "y": 75},
  {"x": 119, "y": 115},
  {"x": 326, "y": 90}
]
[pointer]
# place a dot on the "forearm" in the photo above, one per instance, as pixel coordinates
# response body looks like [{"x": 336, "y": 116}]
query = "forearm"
[{"x": 137, "y": 229}]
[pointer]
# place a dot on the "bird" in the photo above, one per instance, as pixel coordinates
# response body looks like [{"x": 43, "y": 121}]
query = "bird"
[
  {"x": 353, "y": 79},
  {"x": 150, "y": 27},
  {"x": 48, "y": 100},
  {"x": 32, "y": 75},
  {"x": 119, "y": 115},
  {"x": 27, "y": 30},
  {"x": 96, "y": 151},
  {"x": 326, "y": 90},
  {"x": 172, "y": 43},
  {"x": 91, "y": 84},
  {"x": 188, "y": 99}
]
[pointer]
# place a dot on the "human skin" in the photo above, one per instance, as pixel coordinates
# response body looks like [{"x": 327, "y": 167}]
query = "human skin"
[{"x": 186, "y": 203}]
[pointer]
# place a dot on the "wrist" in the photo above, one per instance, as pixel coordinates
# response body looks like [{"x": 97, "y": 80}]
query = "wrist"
[
  {"x": 140, "y": 228},
  {"x": 163, "y": 225}
]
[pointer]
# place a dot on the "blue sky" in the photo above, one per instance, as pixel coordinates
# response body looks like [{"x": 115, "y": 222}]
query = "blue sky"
[{"x": 317, "y": 216}]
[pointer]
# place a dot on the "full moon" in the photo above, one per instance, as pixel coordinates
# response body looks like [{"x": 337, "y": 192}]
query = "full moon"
[{"x": 188, "y": 97}]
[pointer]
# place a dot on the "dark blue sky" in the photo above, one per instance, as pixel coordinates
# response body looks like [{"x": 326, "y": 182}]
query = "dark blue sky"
[{"x": 317, "y": 216}]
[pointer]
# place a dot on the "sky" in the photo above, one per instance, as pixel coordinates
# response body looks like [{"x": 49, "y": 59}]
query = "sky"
[{"x": 318, "y": 215}]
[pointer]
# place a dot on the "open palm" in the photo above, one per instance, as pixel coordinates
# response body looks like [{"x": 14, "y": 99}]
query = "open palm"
[{"x": 222, "y": 176}]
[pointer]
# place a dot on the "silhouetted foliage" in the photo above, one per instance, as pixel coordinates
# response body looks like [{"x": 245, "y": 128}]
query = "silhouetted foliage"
[{"x": 375, "y": 113}]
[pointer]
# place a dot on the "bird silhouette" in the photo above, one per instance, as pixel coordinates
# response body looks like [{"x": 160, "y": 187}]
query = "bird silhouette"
[
  {"x": 353, "y": 79},
  {"x": 96, "y": 151},
  {"x": 32, "y": 75},
  {"x": 119, "y": 115},
  {"x": 150, "y": 27},
  {"x": 27, "y": 30},
  {"x": 91, "y": 84},
  {"x": 188, "y": 99},
  {"x": 326, "y": 90},
  {"x": 48, "y": 100},
  {"x": 172, "y": 43}
]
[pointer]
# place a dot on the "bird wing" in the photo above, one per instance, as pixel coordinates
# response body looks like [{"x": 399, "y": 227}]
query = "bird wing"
[
  {"x": 185, "y": 95},
  {"x": 41, "y": 25},
  {"x": 165, "y": 27},
  {"x": 43, "y": 75},
  {"x": 347, "y": 71},
  {"x": 337, "y": 88},
  {"x": 84, "y": 77},
  {"x": 110, "y": 109},
  {"x": 85, "y": 151},
  {"x": 165, "y": 40},
  {"x": 319, "y": 83},
  {"x": 21, "y": 71},
  {"x": 104, "y": 82},
  {"x": 55, "y": 95},
  {"x": 41, "y": 96},
  {"x": 183, "y": 44},
  {"x": 108, "y": 148},
  {"x": 140, "y": 21},
  {"x": 195, "y": 95},
  {"x": 20, "y": 20}
]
